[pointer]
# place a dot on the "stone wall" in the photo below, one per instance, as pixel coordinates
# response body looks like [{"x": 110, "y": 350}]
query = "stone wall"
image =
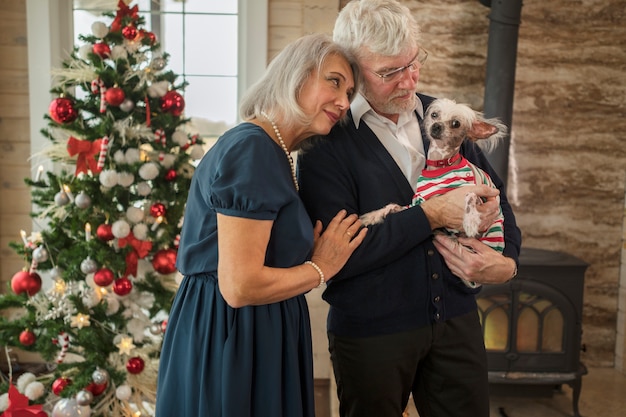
[{"x": 568, "y": 155}]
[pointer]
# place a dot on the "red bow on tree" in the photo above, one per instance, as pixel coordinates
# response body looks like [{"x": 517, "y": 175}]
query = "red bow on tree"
[
  {"x": 86, "y": 152},
  {"x": 123, "y": 11},
  {"x": 18, "y": 406},
  {"x": 141, "y": 248}
]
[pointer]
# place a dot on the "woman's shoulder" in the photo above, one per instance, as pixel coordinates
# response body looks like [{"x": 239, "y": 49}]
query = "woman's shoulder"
[{"x": 242, "y": 132}]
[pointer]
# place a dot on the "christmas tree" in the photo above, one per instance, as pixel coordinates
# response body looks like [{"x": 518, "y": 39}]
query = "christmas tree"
[{"x": 111, "y": 212}]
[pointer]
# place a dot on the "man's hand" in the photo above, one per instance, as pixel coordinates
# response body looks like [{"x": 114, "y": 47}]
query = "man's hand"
[
  {"x": 447, "y": 210},
  {"x": 472, "y": 260}
]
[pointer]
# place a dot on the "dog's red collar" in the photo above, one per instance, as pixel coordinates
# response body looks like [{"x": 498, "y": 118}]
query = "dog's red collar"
[{"x": 443, "y": 162}]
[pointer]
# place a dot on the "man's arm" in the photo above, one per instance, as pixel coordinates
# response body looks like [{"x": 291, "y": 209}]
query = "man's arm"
[{"x": 347, "y": 175}]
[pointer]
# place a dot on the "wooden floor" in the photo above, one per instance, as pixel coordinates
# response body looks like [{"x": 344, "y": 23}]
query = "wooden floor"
[{"x": 603, "y": 395}]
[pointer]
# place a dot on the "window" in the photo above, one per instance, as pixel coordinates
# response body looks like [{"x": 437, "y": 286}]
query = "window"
[{"x": 218, "y": 46}]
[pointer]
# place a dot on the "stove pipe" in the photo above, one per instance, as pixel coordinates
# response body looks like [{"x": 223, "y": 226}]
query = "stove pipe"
[{"x": 500, "y": 77}]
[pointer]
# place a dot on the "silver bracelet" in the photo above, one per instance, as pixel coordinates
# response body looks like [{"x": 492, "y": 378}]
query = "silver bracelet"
[{"x": 319, "y": 271}]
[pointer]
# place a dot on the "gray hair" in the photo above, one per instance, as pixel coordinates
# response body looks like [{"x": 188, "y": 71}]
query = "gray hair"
[
  {"x": 277, "y": 92},
  {"x": 382, "y": 27}
]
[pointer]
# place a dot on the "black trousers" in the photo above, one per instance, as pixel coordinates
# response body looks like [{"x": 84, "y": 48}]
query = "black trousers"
[{"x": 444, "y": 365}]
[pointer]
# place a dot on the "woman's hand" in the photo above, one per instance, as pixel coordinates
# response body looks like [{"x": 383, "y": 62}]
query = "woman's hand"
[
  {"x": 334, "y": 246},
  {"x": 243, "y": 277}
]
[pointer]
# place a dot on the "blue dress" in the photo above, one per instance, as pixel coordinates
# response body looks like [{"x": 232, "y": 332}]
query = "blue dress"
[{"x": 255, "y": 361}]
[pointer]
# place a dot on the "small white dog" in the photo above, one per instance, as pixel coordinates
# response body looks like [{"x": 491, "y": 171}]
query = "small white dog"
[{"x": 447, "y": 124}]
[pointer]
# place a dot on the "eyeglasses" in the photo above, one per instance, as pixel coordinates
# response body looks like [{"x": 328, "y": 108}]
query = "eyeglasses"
[{"x": 414, "y": 65}]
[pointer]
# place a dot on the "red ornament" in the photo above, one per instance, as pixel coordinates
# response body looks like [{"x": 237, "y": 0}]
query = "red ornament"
[
  {"x": 27, "y": 338},
  {"x": 62, "y": 110},
  {"x": 173, "y": 103},
  {"x": 170, "y": 175},
  {"x": 105, "y": 232},
  {"x": 122, "y": 286},
  {"x": 157, "y": 210},
  {"x": 59, "y": 385},
  {"x": 103, "y": 277},
  {"x": 164, "y": 261},
  {"x": 129, "y": 32},
  {"x": 148, "y": 35},
  {"x": 114, "y": 96},
  {"x": 163, "y": 325},
  {"x": 25, "y": 281},
  {"x": 96, "y": 389},
  {"x": 135, "y": 365},
  {"x": 102, "y": 50}
]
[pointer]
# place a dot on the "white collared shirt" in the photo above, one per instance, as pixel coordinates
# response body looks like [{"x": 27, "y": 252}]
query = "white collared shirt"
[{"x": 403, "y": 140}]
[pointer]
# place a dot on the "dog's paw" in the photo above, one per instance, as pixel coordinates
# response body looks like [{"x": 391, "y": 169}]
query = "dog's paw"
[
  {"x": 471, "y": 219},
  {"x": 377, "y": 216}
]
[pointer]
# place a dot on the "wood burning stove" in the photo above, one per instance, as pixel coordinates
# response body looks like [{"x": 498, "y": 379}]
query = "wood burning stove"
[{"x": 533, "y": 325}]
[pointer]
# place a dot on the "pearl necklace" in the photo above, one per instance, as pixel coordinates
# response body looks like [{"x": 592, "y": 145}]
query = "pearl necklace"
[{"x": 282, "y": 144}]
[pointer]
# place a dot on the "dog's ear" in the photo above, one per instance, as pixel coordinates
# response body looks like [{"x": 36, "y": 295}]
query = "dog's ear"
[{"x": 481, "y": 130}]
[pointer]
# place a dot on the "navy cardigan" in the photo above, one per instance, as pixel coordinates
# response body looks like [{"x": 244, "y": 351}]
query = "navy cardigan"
[{"x": 396, "y": 280}]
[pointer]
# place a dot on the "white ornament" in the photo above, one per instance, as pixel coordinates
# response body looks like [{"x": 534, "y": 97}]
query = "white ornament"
[
  {"x": 68, "y": 407},
  {"x": 119, "y": 157},
  {"x": 180, "y": 138},
  {"x": 123, "y": 392},
  {"x": 134, "y": 214},
  {"x": 34, "y": 390},
  {"x": 149, "y": 171},
  {"x": 158, "y": 89},
  {"x": 120, "y": 229},
  {"x": 113, "y": 305},
  {"x": 84, "y": 397},
  {"x": 99, "y": 29},
  {"x": 132, "y": 155},
  {"x": 168, "y": 160},
  {"x": 88, "y": 266},
  {"x": 197, "y": 152},
  {"x": 24, "y": 380},
  {"x": 82, "y": 200},
  {"x": 56, "y": 272},
  {"x": 61, "y": 198},
  {"x": 40, "y": 254},
  {"x": 140, "y": 231},
  {"x": 100, "y": 376},
  {"x": 108, "y": 178},
  {"x": 127, "y": 105},
  {"x": 125, "y": 179},
  {"x": 4, "y": 402},
  {"x": 118, "y": 52},
  {"x": 144, "y": 189},
  {"x": 84, "y": 51},
  {"x": 90, "y": 298}
]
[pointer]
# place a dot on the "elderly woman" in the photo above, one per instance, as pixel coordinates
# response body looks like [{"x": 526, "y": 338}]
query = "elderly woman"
[{"x": 238, "y": 340}]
